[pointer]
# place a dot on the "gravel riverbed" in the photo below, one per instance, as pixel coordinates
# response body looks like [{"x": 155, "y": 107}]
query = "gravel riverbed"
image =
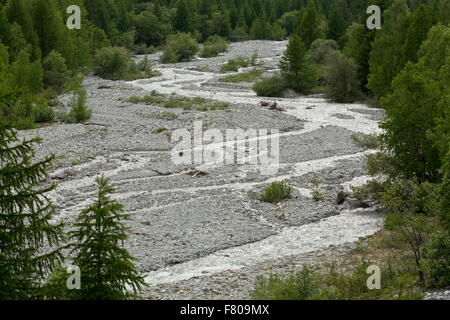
[{"x": 198, "y": 230}]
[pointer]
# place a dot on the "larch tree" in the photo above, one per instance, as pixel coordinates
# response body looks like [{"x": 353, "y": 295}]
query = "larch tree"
[
  {"x": 107, "y": 269},
  {"x": 27, "y": 233},
  {"x": 387, "y": 56},
  {"x": 296, "y": 67}
]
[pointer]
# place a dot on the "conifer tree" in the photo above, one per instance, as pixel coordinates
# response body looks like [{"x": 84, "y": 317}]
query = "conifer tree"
[
  {"x": 336, "y": 25},
  {"x": 311, "y": 25},
  {"x": 412, "y": 109},
  {"x": 296, "y": 67},
  {"x": 387, "y": 56},
  {"x": 25, "y": 216},
  {"x": 421, "y": 22},
  {"x": 183, "y": 18},
  {"x": 107, "y": 269}
]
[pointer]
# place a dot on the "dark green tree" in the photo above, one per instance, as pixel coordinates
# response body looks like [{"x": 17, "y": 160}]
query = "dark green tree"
[
  {"x": 107, "y": 269},
  {"x": 311, "y": 25},
  {"x": 387, "y": 56},
  {"x": 342, "y": 78},
  {"x": 183, "y": 20},
  {"x": 48, "y": 26},
  {"x": 296, "y": 67},
  {"x": 417, "y": 102},
  {"x": 26, "y": 213},
  {"x": 336, "y": 25}
]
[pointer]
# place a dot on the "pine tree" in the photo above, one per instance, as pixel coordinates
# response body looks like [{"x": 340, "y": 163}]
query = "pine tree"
[
  {"x": 107, "y": 269},
  {"x": 27, "y": 76},
  {"x": 421, "y": 22},
  {"x": 48, "y": 26},
  {"x": 414, "y": 107},
  {"x": 25, "y": 216},
  {"x": 183, "y": 18},
  {"x": 387, "y": 56},
  {"x": 296, "y": 67},
  {"x": 358, "y": 47},
  {"x": 336, "y": 25},
  {"x": 311, "y": 25}
]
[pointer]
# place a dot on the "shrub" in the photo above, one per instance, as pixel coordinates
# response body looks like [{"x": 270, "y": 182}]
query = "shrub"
[
  {"x": 111, "y": 63},
  {"x": 79, "y": 111},
  {"x": 300, "y": 286},
  {"x": 270, "y": 87},
  {"x": 239, "y": 34},
  {"x": 173, "y": 101},
  {"x": 276, "y": 192},
  {"x": 43, "y": 112},
  {"x": 243, "y": 77},
  {"x": 179, "y": 47},
  {"x": 142, "y": 48},
  {"x": 317, "y": 192},
  {"x": 55, "y": 70},
  {"x": 369, "y": 141},
  {"x": 333, "y": 284},
  {"x": 342, "y": 78},
  {"x": 320, "y": 49},
  {"x": 235, "y": 64},
  {"x": 140, "y": 70},
  {"x": 436, "y": 259},
  {"x": 213, "y": 46}
]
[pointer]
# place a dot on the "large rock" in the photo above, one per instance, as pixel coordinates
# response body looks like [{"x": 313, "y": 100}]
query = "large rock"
[{"x": 341, "y": 197}]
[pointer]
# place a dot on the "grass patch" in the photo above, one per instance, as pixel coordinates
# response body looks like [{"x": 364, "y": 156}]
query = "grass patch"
[
  {"x": 317, "y": 193},
  {"x": 250, "y": 76},
  {"x": 159, "y": 130},
  {"x": 276, "y": 192},
  {"x": 348, "y": 279},
  {"x": 174, "y": 101},
  {"x": 270, "y": 87},
  {"x": 235, "y": 64},
  {"x": 369, "y": 141}
]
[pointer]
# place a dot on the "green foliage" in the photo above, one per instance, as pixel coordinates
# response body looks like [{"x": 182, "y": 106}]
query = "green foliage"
[
  {"x": 270, "y": 87},
  {"x": 55, "y": 70},
  {"x": 184, "y": 103},
  {"x": 332, "y": 284},
  {"x": 436, "y": 259},
  {"x": 296, "y": 68},
  {"x": 79, "y": 112},
  {"x": 300, "y": 286},
  {"x": 414, "y": 108},
  {"x": 408, "y": 205},
  {"x": 317, "y": 193},
  {"x": 213, "y": 47},
  {"x": 108, "y": 272},
  {"x": 111, "y": 63},
  {"x": 141, "y": 70},
  {"x": 249, "y": 76},
  {"x": 321, "y": 48},
  {"x": 311, "y": 26},
  {"x": 358, "y": 47},
  {"x": 387, "y": 56},
  {"x": 369, "y": 141},
  {"x": 235, "y": 64},
  {"x": 342, "y": 78},
  {"x": 27, "y": 76},
  {"x": 276, "y": 192},
  {"x": 179, "y": 47},
  {"x": 25, "y": 217}
]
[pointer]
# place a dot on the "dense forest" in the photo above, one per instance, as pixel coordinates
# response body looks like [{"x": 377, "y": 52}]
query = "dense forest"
[{"x": 404, "y": 68}]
